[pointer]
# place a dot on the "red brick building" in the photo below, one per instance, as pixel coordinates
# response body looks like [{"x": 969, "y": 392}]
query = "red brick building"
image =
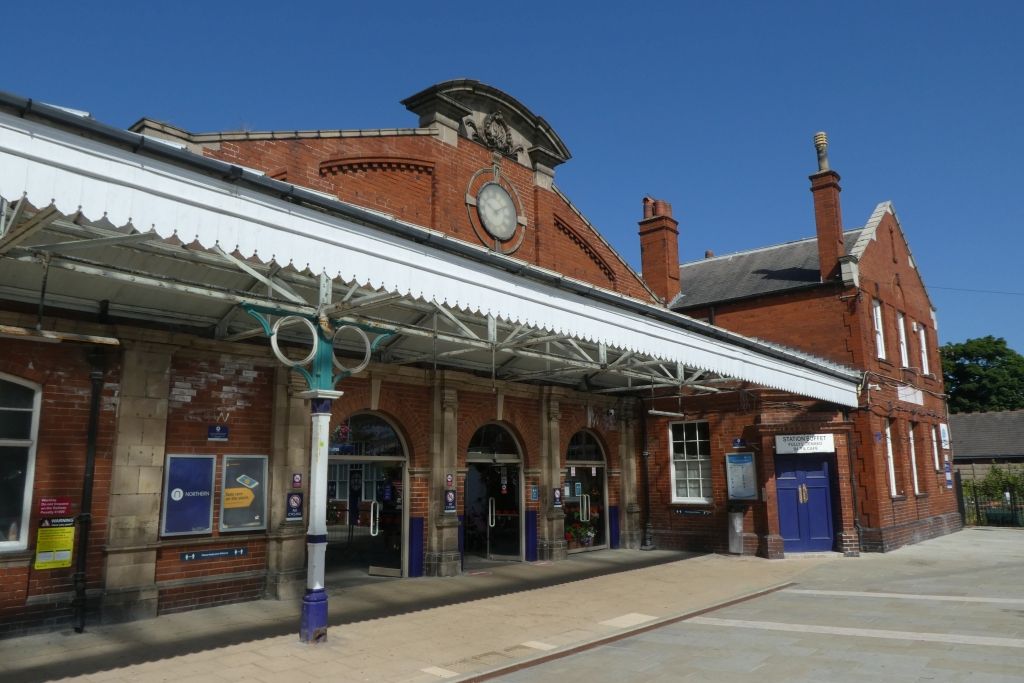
[
  {"x": 855, "y": 297},
  {"x": 510, "y": 386}
]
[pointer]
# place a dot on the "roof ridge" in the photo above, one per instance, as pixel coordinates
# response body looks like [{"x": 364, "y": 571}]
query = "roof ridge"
[{"x": 762, "y": 249}]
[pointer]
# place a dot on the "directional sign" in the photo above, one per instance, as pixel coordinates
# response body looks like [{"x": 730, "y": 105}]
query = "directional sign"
[{"x": 212, "y": 554}]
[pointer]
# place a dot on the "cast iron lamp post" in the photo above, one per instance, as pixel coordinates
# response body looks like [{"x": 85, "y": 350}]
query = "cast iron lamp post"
[{"x": 321, "y": 380}]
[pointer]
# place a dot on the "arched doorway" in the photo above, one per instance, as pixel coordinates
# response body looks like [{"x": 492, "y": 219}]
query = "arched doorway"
[
  {"x": 366, "y": 484},
  {"x": 584, "y": 499},
  {"x": 493, "y": 497}
]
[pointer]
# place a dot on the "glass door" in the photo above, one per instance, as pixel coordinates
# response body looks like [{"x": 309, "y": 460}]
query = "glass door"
[
  {"x": 583, "y": 501},
  {"x": 364, "y": 516},
  {"x": 492, "y": 512},
  {"x": 385, "y": 522}
]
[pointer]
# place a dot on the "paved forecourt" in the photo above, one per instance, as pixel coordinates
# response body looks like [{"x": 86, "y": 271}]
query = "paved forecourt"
[
  {"x": 428, "y": 629},
  {"x": 950, "y": 609}
]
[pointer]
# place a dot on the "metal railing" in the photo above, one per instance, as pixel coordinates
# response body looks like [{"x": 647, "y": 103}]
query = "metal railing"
[{"x": 985, "y": 507}]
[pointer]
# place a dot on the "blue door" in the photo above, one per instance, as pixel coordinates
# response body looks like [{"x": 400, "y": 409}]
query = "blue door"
[{"x": 803, "y": 486}]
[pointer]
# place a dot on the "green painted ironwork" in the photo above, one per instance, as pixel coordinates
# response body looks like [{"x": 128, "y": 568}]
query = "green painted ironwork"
[{"x": 321, "y": 375}]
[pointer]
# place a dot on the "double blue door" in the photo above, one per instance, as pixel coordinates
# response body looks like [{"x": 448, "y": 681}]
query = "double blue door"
[{"x": 803, "y": 485}]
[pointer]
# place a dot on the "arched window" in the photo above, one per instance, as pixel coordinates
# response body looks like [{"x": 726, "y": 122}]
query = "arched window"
[
  {"x": 494, "y": 441},
  {"x": 19, "y": 424},
  {"x": 367, "y": 435},
  {"x": 583, "y": 446}
]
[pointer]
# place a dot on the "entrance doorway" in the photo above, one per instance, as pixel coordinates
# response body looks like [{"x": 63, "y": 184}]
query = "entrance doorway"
[
  {"x": 803, "y": 485},
  {"x": 584, "y": 499},
  {"x": 492, "y": 520},
  {"x": 366, "y": 485}
]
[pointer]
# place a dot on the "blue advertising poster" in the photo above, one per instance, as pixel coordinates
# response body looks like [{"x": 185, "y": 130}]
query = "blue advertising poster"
[{"x": 188, "y": 495}]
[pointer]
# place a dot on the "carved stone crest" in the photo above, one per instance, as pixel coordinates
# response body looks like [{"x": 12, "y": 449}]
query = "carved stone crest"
[{"x": 496, "y": 135}]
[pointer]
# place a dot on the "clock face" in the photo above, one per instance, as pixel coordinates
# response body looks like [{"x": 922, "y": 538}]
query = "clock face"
[{"x": 497, "y": 211}]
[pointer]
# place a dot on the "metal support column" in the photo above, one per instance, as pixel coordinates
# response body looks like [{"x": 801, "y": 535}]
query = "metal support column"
[
  {"x": 313, "y": 623},
  {"x": 321, "y": 380}
]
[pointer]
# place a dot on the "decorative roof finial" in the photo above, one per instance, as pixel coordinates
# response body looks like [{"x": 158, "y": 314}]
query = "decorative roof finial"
[{"x": 821, "y": 144}]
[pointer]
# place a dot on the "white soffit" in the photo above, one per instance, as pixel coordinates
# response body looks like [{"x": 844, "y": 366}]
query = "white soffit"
[{"x": 76, "y": 174}]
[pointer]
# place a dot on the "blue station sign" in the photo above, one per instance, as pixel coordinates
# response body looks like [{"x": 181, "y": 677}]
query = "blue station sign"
[{"x": 188, "y": 495}]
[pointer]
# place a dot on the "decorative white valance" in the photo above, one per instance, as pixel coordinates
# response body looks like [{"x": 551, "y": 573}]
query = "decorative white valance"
[{"x": 77, "y": 174}]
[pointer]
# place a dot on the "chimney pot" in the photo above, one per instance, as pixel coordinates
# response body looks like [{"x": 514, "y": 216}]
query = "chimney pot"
[
  {"x": 662, "y": 208},
  {"x": 648, "y": 207},
  {"x": 821, "y": 145}
]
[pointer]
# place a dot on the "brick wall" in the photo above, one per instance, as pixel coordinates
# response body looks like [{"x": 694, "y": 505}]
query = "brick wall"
[
  {"x": 422, "y": 180},
  {"x": 836, "y": 323},
  {"x": 754, "y": 417},
  {"x": 205, "y": 390},
  {"x": 32, "y": 597}
]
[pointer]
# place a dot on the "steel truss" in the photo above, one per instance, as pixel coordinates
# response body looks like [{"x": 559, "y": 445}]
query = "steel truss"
[{"x": 425, "y": 332}]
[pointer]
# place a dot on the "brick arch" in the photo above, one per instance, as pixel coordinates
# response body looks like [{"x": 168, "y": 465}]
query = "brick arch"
[
  {"x": 400, "y": 186},
  {"x": 393, "y": 422},
  {"x": 592, "y": 432},
  {"x": 516, "y": 434},
  {"x": 375, "y": 163}
]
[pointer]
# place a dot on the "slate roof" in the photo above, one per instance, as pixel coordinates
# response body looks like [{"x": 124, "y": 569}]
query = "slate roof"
[
  {"x": 987, "y": 435},
  {"x": 781, "y": 267}
]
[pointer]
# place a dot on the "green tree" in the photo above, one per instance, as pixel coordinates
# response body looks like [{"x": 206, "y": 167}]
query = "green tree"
[{"x": 983, "y": 375}]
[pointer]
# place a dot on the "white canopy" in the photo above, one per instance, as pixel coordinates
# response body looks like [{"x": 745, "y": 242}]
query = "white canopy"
[{"x": 75, "y": 174}]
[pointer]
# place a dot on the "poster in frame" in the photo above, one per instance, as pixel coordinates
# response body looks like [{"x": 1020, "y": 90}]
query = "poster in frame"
[
  {"x": 187, "y": 507},
  {"x": 243, "y": 497}
]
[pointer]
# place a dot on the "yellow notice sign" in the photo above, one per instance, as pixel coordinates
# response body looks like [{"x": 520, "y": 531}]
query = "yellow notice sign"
[
  {"x": 238, "y": 497},
  {"x": 55, "y": 542}
]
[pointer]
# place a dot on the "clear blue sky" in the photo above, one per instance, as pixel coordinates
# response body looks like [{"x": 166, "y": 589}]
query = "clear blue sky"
[{"x": 711, "y": 106}]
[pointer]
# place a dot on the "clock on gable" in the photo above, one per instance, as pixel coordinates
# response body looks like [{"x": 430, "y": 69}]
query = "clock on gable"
[{"x": 495, "y": 210}]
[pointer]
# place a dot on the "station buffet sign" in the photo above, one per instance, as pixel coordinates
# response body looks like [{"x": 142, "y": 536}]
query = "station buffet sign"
[{"x": 804, "y": 443}]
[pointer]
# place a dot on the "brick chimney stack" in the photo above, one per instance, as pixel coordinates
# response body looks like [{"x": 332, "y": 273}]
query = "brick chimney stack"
[
  {"x": 659, "y": 248},
  {"x": 828, "y": 216}
]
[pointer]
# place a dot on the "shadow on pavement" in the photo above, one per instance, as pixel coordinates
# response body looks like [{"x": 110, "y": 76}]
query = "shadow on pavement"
[{"x": 405, "y": 597}]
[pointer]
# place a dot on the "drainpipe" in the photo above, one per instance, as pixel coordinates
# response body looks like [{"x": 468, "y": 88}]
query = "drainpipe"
[
  {"x": 96, "y": 359},
  {"x": 648, "y": 539},
  {"x": 851, "y": 445}
]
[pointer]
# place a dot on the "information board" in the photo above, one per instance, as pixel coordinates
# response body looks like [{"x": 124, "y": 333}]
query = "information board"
[
  {"x": 188, "y": 495},
  {"x": 741, "y": 476},
  {"x": 243, "y": 499},
  {"x": 55, "y": 542}
]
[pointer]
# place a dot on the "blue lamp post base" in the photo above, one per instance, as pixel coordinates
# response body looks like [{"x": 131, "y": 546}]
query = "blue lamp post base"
[{"x": 313, "y": 623}]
